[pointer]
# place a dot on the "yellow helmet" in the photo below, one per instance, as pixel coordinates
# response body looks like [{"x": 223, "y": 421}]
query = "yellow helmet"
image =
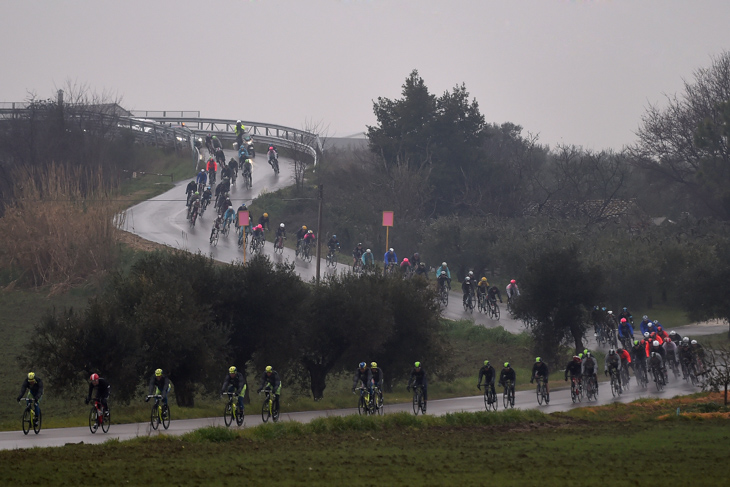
[
  {"x": 269, "y": 368},
  {"x": 304, "y": 227},
  {"x": 484, "y": 279},
  {"x": 374, "y": 365},
  {"x": 232, "y": 369},
  {"x": 266, "y": 215},
  {"x": 31, "y": 375},
  {"x": 158, "y": 372}
]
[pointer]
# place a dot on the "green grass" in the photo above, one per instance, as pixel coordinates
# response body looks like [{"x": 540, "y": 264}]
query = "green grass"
[
  {"x": 464, "y": 449},
  {"x": 154, "y": 161}
]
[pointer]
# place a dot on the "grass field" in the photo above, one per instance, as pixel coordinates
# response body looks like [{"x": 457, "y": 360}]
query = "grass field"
[{"x": 589, "y": 446}]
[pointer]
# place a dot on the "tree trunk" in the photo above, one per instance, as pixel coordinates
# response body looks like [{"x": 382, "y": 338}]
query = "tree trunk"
[
  {"x": 184, "y": 394},
  {"x": 317, "y": 378},
  {"x": 725, "y": 393},
  {"x": 577, "y": 332}
]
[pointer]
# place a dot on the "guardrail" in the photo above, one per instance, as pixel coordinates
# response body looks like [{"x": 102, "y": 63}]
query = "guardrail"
[{"x": 225, "y": 129}]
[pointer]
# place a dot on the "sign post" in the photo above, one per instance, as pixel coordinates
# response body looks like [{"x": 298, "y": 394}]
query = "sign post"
[
  {"x": 387, "y": 223},
  {"x": 243, "y": 217}
]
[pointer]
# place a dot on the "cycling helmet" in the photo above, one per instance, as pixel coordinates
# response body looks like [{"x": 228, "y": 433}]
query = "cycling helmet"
[
  {"x": 467, "y": 279},
  {"x": 656, "y": 322},
  {"x": 94, "y": 377},
  {"x": 202, "y": 170},
  {"x": 483, "y": 279},
  {"x": 486, "y": 362},
  {"x": 266, "y": 215},
  {"x": 271, "y": 147},
  {"x": 232, "y": 369},
  {"x": 417, "y": 365},
  {"x": 367, "y": 251},
  {"x": 694, "y": 342},
  {"x": 304, "y": 227},
  {"x": 506, "y": 364},
  {"x": 538, "y": 359},
  {"x": 269, "y": 368},
  {"x": 650, "y": 325},
  {"x": 623, "y": 320},
  {"x": 310, "y": 232},
  {"x": 603, "y": 309},
  {"x": 416, "y": 255},
  {"x": 31, "y": 376},
  {"x": 595, "y": 308},
  {"x": 373, "y": 365},
  {"x": 667, "y": 340},
  {"x": 281, "y": 225},
  {"x": 390, "y": 249},
  {"x": 238, "y": 122},
  {"x": 672, "y": 333},
  {"x": 610, "y": 312},
  {"x": 646, "y": 334},
  {"x": 612, "y": 351},
  {"x": 655, "y": 343},
  {"x": 580, "y": 355},
  {"x": 158, "y": 372},
  {"x": 405, "y": 260},
  {"x": 636, "y": 342},
  {"x": 359, "y": 244},
  {"x": 208, "y": 187},
  {"x": 443, "y": 264},
  {"x": 197, "y": 193},
  {"x": 443, "y": 273},
  {"x": 585, "y": 351},
  {"x": 624, "y": 308},
  {"x": 513, "y": 281},
  {"x": 653, "y": 354},
  {"x": 363, "y": 365},
  {"x": 334, "y": 236},
  {"x": 587, "y": 354},
  {"x": 471, "y": 274},
  {"x": 576, "y": 358},
  {"x": 685, "y": 340}
]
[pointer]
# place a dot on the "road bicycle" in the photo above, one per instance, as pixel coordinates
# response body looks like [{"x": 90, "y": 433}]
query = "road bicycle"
[
  {"x": 160, "y": 413},
  {"x": 591, "y": 388},
  {"x": 508, "y": 396},
  {"x": 274, "y": 164},
  {"x": 576, "y": 389},
  {"x": 444, "y": 295},
  {"x": 490, "y": 398},
  {"x": 307, "y": 252},
  {"x": 689, "y": 372},
  {"x": 332, "y": 258},
  {"x": 482, "y": 303},
  {"x": 658, "y": 377},
  {"x": 247, "y": 179},
  {"x": 468, "y": 303},
  {"x": 541, "y": 391},
  {"x": 279, "y": 245},
  {"x": 365, "y": 404},
  {"x": 615, "y": 385},
  {"x": 98, "y": 417},
  {"x": 357, "y": 267},
  {"x": 257, "y": 244},
  {"x": 640, "y": 373},
  {"x": 672, "y": 364},
  {"x": 193, "y": 217},
  {"x": 214, "y": 236},
  {"x": 493, "y": 309},
  {"x": 625, "y": 377},
  {"x": 377, "y": 400},
  {"x": 419, "y": 405},
  {"x": 269, "y": 408},
  {"x": 232, "y": 412},
  {"x": 30, "y": 419}
]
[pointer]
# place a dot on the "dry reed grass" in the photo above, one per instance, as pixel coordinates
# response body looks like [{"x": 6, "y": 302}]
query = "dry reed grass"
[{"x": 59, "y": 229}]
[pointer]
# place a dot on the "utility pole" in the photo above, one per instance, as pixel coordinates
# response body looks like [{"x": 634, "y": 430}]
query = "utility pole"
[{"x": 319, "y": 227}]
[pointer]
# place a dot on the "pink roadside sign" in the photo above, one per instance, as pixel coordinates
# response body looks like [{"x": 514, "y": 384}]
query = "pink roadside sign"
[
  {"x": 243, "y": 218},
  {"x": 387, "y": 218}
]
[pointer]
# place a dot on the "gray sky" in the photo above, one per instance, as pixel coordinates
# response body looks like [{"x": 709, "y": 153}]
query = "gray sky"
[{"x": 576, "y": 72}]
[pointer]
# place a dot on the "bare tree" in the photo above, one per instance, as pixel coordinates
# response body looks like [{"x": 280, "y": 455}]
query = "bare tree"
[
  {"x": 301, "y": 151},
  {"x": 718, "y": 370}
]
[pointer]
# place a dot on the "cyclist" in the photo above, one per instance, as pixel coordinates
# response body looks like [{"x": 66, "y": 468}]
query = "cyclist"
[
  {"x": 273, "y": 155},
  {"x": 699, "y": 353},
  {"x": 333, "y": 244},
  {"x": 216, "y": 142},
  {"x": 644, "y": 325},
  {"x": 228, "y": 216},
  {"x": 159, "y": 385},
  {"x": 220, "y": 156},
  {"x": 512, "y": 290},
  {"x": 442, "y": 281},
  {"x": 625, "y": 330},
  {"x": 489, "y": 374},
  {"x": 639, "y": 354},
  {"x": 368, "y": 259},
  {"x": 235, "y": 382},
  {"x": 389, "y": 258},
  {"x": 363, "y": 377},
  {"x": 378, "y": 377},
  {"x": 211, "y": 167},
  {"x": 418, "y": 378},
  {"x": 34, "y": 386},
  {"x": 233, "y": 165},
  {"x": 670, "y": 351},
  {"x": 246, "y": 168},
  {"x": 493, "y": 293},
  {"x": 264, "y": 221},
  {"x": 239, "y": 131},
  {"x": 421, "y": 270},
  {"x": 508, "y": 373},
  {"x": 415, "y": 260},
  {"x": 217, "y": 225},
  {"x": 574, "y": 369},
  {"x": 243, "y": 154},
  {"x": 625, "y": 359},
  {"x": 611, "y": 321},
  {"x": 310, "y": 239},
  {"x": 102, "y": 391},
  {"x": 300, "y": 235},
  {"x": 613, "y": 362},
  {"x": 540, "y": 369},
  {"x": 209, "y": 142},
  {"x": 625, "y": 313},
  {"x": 271, "y": 377},
  {"x": 190, "y": 190},
  {"x": 656, "y": 360},
  {"x": 194, "y": 204},
  {"x": 258, "y": 233},
  {"x": 207, "y": 195},
  {"x": 482, "y": 287},
  {"x": 405, "y": 266},
  {"x": 201, "y": 179},
  {"x": 660, "y": 331},
  {"x": 225, "y": 170},
  {"x": 357, "y": 253},
  {"x": 466, "y": 288},
  {"x": 685, "y": 352},
  {"x": 676, "y": 337},
  {"x": 281, "y": 233},
  {"x": 589, "y": 367},
  {"x": 444, "y": 269}
]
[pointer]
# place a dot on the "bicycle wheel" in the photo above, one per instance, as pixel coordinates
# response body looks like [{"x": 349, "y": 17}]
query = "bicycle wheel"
[
  {"x": 614, "y": 388},
  {"x": 538, "y": 392},
  {"x": 27, "y": 421},
  {"x": 240, "y": 414},
  {"x": 505, "y": 399},
  {"x": 416, "y": 402},
  {"x": 511, "y": 398},
  {"x": 274, "y": 411},
  {"x": 93, "y": 420},
  {"x": 573, "y": 394},
  {"x": 155, "y": 417},
  {"x": 166, "y": 416},
  {"x": 361, "y": 406},
  {"x": 266, "y": 410},
  {"x": 487, "y": 404},
  {"x": 106, "y": 421},
  {"x": 496, "y": 311},
  {"x": 228, "y": 415},
  {"x": 379, "y": 403},
  {"x": 38, "y": 422}
]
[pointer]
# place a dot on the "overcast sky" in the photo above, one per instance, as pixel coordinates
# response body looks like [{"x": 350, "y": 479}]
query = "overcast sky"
[{"x": 575, "y": 72}]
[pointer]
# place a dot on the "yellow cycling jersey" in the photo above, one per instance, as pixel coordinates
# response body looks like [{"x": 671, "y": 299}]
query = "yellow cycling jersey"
[{"x": 483, "y": 284}]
